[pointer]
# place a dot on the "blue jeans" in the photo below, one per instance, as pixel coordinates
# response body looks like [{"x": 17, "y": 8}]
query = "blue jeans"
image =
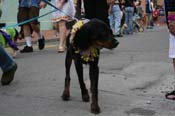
[
  {"x": 6, "y": 61},
  {"x": 129, "y": 12},
  {"x": 115, "y": 19},
  {"x": 149, "y": 19}
]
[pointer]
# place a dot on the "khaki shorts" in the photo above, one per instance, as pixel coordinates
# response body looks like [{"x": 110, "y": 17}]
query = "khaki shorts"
[{"x": 25, "y": 13}]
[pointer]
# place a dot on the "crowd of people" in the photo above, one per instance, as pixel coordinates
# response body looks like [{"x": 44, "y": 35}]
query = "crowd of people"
[{"x": 118, "y": 14}]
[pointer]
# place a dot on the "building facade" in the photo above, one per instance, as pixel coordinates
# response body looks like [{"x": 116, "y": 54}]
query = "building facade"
[
  {"x": 10, "y": 9},
  {"x": 9, "y": 14}
]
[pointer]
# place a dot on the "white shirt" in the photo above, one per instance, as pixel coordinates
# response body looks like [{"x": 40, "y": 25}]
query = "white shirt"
[{"x": 68, "y": 9}]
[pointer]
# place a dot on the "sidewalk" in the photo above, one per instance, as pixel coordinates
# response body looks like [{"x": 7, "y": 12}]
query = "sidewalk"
[
  {"x": 133, "y": 80},
  {"x": 50, "y": 35}
]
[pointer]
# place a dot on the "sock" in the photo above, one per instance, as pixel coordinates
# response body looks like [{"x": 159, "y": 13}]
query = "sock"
[
  {"x": 28, "y": 41},
  {"x": 40, "y": 35}
]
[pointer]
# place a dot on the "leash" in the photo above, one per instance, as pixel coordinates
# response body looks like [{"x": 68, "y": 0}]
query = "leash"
[
  {"x": 27, "y": 21},
  {"x": 35, "y": 18}
]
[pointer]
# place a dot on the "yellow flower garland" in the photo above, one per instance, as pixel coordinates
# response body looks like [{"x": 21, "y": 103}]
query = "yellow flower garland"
[{"x": 88, "y": 55}]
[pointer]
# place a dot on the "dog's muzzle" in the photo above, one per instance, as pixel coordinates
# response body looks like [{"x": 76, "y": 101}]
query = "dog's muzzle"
[{"x": 115, "y": 43}]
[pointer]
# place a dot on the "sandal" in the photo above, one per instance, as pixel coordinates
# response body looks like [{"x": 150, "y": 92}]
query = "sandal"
[
  {"x": 61, "y": 49},
  {"x": 171, "y": 95}
]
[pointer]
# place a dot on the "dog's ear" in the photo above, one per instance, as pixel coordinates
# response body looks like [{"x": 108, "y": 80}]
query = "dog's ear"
[{"x": 82, "y": 39}]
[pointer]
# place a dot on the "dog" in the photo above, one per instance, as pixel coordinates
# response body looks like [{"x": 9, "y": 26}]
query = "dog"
[
  {"x": 84, "y": 48},
  {"x": 8, "y": 37}
]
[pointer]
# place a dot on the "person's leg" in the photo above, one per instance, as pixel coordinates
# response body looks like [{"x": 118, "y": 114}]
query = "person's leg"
[
  {"x": 27, "y": 35},
  {"x": 34, "y": 12},
  {"x": 22, "y": 16},
  {"x": 151, "y": 20},
  {"x": 130, "y": 19},
  {"x": 62, "y": 35},
  {"x": 78, "y": 9},
  {"x": 127, "y": 20},
  {"x": 111, "y": 21},
  {"x": 8, "y": 67},
  {"x": 101, "y": 10},
  {"x": 174, "y": 64},
  {"x": 90, "y": 9},
  {"x": 171, "y": 95},
  {"x": 117, "y": 19},
  {"x": 148, "y": 20}
]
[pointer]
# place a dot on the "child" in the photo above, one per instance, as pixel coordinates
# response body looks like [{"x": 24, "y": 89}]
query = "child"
[{"x": 60, "y": 17}]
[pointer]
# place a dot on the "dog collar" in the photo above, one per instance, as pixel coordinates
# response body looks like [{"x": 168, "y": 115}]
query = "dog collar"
[
  {"x": 88, "y": 55},
  {"x": 78, "y": 25}
]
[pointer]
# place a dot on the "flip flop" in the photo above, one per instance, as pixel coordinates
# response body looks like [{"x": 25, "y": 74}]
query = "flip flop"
[{"x": 171, "y": 95}]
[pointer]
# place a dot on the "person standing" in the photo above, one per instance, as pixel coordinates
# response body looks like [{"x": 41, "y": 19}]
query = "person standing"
[
  {"x": 29, "y": 9},
  {"x": 60, "y": 17},
  {"x": 149, "y": 14},
  {"x": 129, "y": 12},
  {"x": 8, "y": 67},
  {"x": 170, "y": 18},
  {"x": 115, "y": 16}
]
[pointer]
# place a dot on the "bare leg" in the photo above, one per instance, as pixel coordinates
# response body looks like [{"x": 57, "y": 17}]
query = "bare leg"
[
  {"x": 174, "y": 63},
  {"x": 26, "y": 30},
  {"x": 171, "y": 95},
  {"x": 62, "y": 35}
]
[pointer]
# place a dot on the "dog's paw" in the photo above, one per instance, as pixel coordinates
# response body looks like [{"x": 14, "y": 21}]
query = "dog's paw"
[
  {"x": 95, "y": 109},
  {"x": 65, "y": 96},
  {"x": 85, "y": 97}
]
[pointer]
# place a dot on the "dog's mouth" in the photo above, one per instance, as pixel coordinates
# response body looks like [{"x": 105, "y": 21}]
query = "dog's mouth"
[{"x": 107, "y": 44}]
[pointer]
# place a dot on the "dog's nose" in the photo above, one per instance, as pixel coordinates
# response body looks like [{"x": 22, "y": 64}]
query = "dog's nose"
[{"x": 116, "y": 43}]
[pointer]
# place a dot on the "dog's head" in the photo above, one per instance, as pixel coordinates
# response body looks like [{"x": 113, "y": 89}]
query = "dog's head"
[{"x": 94, "y": 33}]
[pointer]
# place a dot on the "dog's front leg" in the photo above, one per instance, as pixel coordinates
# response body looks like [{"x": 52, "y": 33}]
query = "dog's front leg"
[
  {"x": 94, "y": 75},
  {"x": 68, "y": 62},
  {"x": 79, "y": 70}
]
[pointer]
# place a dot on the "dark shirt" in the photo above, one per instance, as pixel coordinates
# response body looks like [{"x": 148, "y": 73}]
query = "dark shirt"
[
  {"x": 148, "y": 7},
  {"x": 94, "y": 9},
  {"x": 129, "y": 3}
]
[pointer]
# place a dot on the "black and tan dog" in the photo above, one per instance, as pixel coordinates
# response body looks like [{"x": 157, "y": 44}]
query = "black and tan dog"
[{"x": 85, "y": 49}]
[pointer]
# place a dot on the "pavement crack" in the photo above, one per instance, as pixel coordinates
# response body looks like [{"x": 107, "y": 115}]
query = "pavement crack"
[
  {"x": 149, "y": 84},
  {"x": 111, "y": 92}
]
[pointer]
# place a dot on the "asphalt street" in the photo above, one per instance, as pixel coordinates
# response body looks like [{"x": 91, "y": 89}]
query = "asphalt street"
[{"x": 133, "y": 81}]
